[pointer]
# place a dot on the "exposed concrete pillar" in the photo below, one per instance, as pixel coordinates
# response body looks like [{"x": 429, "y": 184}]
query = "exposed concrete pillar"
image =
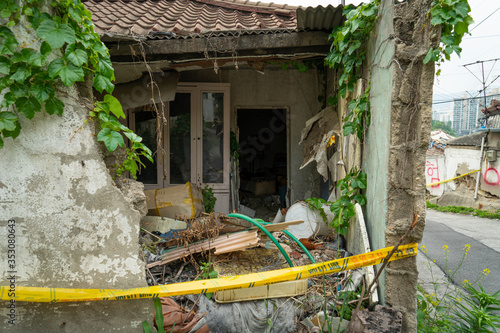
[
  {"x": 73, "y": 227},
  {"x": 394, "y": 155}
]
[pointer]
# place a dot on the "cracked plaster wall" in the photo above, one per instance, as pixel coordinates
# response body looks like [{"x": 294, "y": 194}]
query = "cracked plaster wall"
[
  {"x": 394, "y": 154},
  {"x": 74, "y": 227}
]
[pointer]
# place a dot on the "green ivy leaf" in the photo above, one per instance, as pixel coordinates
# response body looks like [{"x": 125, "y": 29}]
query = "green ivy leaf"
[
  {"x": 42, "y": 91},
  {"x": 429, "y": 56},
  {"x": 36, "y": 60},
  {"x": 114, "y": 106},
  {"x": 54, "y": 106},
  {"x": 75, "y": 14},
  {"x": 8, "y": 99},
  {"x": 28, "y": 106},
  {"x": 106, "y": 68},
  {"x": 5, "y": 64},
  {"x": 112, "y": 139},
  {"x": 146, "y": 152},
  {"x": 19, "y": 90},
  {"x": 45, "y": 48},
  {"x": 78, "y": 57},
  {"x": 56, "y": 34},
  {"x": 100, "y": 48},
  {"x": 361, "y": 199},
  {"x": 23, "y": 55},
  {"x": 68, "y": 72},
  {"x": 354, "y": 46},
  {"x": 348, "y": 129},
  {"x": 14, "y": 133},
  {"x": 103, "y": 83},
  {"x": 7, "y": 121},
  {"x": 462, "y": 9},
  {"x": 21, "y": 73},
  {"x": 133, "y": 137}
]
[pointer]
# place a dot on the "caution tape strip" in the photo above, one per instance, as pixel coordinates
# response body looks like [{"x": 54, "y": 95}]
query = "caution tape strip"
[
  {"x": 55, "y": 295},
  {"x": 449, "y": 180}
]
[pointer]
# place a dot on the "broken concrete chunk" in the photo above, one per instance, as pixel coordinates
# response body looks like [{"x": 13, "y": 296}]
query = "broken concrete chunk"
[
  {"x": 382, "y": 320},
  {"x": 354, "y": 281},
  {"x": 161, "y": 224}
]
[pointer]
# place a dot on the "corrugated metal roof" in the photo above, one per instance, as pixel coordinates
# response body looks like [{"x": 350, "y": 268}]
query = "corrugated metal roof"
[{"x": 319, "y": 18}]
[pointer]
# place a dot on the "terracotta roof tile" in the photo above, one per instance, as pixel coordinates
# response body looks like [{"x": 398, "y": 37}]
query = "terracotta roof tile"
[{"x": 187, "y": 17}]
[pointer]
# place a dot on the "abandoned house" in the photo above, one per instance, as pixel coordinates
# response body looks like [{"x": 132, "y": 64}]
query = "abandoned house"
[
  {"x": 226, "y": 75},
  {"x": 233, "y": 80}
]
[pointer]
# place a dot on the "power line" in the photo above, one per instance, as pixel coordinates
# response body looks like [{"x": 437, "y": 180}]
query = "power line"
[{"x": 477, "y": 25}]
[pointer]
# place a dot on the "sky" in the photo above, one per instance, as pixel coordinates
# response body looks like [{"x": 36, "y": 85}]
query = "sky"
[{"x": 482, "y": 44}]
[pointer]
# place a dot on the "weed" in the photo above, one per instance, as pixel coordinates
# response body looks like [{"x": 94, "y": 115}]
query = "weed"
[
  {"x": 209, "y": 199},
  {"x": 158, "y": 316},
  {"x": 465, "y": 210},
  {"x": 450, "y": 309},
  {"x": 207, "y": 273}
]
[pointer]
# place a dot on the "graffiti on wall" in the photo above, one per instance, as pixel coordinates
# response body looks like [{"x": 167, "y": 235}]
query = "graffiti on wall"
[
  {"x": 491, "y": 176},
  {"x": 432, "y": 176}
]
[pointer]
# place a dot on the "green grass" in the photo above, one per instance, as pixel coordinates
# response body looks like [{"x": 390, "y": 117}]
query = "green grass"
[{"x": 465, "y": 210}]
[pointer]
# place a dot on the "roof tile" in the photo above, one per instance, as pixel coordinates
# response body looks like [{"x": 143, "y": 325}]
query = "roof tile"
[{"x": 187, "y": 17}]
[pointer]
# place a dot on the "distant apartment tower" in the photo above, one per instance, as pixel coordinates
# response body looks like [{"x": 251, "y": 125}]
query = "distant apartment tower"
[
  {"x": 467, "y": 111},
  {"x": 443, "y": 115}
]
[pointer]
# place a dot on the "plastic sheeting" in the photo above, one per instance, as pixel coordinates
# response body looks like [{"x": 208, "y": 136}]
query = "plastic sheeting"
[{"x": 271, "y": 315}]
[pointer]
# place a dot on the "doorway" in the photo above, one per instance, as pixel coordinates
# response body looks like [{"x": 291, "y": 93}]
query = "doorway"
[{"x": 263, "y": 159}]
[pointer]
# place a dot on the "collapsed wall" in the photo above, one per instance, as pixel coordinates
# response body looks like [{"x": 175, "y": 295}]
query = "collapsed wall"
[
  {"x": 397, "y": 139},
  {"x": 73, "y": 227}
]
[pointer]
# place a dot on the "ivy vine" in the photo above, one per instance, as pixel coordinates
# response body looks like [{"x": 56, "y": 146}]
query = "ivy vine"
[
  {"x": 348, "y": 50},
  {"x": 454, "y": 19},
  {"x": 347, "y": 54},
  {"x": 70, "y": 51}
]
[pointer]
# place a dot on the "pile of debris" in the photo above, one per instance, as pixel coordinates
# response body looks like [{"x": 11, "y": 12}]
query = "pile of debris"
[
  {"x": 206, "y": 246},
  {"x": 215, "y": 245}
]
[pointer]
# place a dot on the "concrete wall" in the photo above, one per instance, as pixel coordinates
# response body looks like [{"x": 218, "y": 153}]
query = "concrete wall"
[
  {"x": 377, "y": 143},
  {"x": 277, "y": 88},
  {"x": 435, "y": 172},
  {"x": 394, "y": 155},
  {"x": 73, "y": 227}
]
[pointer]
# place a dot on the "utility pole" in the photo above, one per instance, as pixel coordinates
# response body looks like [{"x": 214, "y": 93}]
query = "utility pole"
[{"x": 483, "y": 80}]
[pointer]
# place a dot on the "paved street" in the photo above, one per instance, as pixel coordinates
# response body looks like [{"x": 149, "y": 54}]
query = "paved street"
[{"x": 455, "y": 231}]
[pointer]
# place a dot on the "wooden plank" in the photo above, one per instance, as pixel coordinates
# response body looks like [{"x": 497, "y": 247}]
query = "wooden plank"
[{"x": 224, "y": 243}]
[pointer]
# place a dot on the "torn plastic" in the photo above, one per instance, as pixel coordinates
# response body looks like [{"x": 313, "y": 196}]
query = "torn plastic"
[
  {"x": 177, "y": 320},
  {"x": 315, "y": 137}
]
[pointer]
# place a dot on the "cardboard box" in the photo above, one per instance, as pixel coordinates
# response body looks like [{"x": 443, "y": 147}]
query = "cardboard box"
[
  {"x": 254, "y": 261},
  {"x": 265, "y": 188},
  {"x": 175, "y": 202}
]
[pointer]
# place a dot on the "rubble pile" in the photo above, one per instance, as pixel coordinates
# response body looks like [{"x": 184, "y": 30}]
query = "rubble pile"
[{"x": 215, "y": 245}]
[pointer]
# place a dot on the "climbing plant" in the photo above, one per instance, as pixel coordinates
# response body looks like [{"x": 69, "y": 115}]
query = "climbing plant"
[
  {"x": 69, "y": 50},
  {"x": 347, "y": 51},
  {"x": 347, "y": 54},
  {"x": 454, "y": 19}
]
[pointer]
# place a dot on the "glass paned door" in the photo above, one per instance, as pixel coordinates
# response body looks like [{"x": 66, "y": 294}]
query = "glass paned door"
[
  {"x": 213, "y": 137},
  {"x": 145, "y": 126},
  {"x": 180, "y": 139}
]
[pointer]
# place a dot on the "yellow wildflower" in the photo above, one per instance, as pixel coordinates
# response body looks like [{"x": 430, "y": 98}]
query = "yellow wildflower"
[
  {"x": 465, "y": 283},
  {"x": 445, "y": 247},
  {"x": 486, "y": 271}
]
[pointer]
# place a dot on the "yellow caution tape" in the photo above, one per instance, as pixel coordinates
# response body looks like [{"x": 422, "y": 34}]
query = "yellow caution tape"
[
  {"x": 449, "y": 180},
  {"x": 193, "y": 210},
  {"x": 54, "y": 295}
]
